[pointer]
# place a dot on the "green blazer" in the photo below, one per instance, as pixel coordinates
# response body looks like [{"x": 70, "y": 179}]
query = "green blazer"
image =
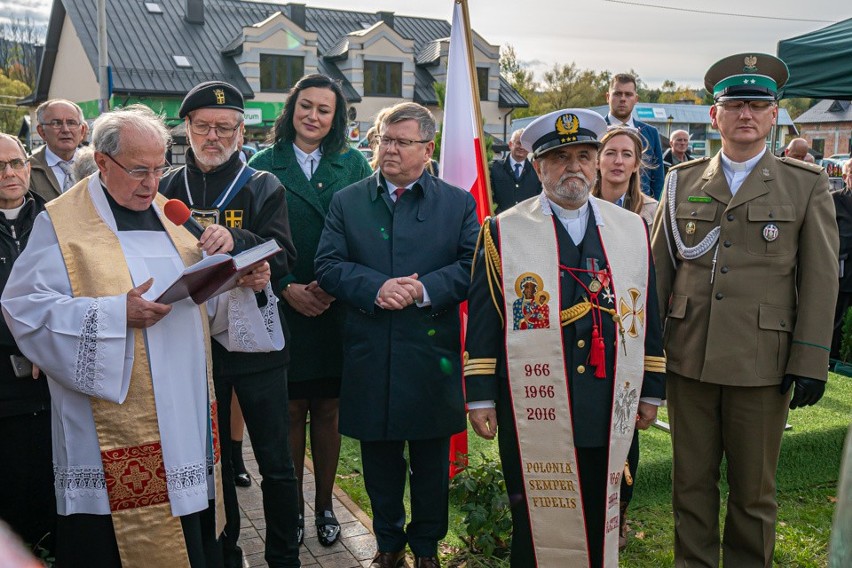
[{"x": 316, "y": 344}]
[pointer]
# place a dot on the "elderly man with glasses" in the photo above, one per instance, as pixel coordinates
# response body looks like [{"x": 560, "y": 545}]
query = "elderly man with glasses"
[
  {"x": 62, "y": 127},
  {"x": 745, "y": 246},
  {"x": 135, "y": 446},
  {"x": 223, "y": 192}
]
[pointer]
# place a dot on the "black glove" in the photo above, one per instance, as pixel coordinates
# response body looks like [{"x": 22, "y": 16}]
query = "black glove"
[{"x": 808, "y": 391}]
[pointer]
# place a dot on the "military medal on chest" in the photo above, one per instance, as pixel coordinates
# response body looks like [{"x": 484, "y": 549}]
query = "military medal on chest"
[{"x": 770, "y": 232}]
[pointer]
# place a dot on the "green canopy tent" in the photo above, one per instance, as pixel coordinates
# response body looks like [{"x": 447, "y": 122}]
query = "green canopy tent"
[{"x": 820, "y": 63}]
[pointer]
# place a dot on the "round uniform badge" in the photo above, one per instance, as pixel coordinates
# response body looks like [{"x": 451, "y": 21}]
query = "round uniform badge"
[
  {"x": 690, "y": 228},
  {"x": 594, "y": 286},
  {"x": 770, "y": 232}
]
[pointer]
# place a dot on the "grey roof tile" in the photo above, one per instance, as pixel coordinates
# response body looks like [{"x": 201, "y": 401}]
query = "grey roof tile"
[
  {"x": 141, "y": 44},
  {"x": 827, "y": 110}
]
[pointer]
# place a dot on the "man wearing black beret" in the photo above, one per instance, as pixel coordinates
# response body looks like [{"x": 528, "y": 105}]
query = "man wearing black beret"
[{"x": 220, "y": 189}]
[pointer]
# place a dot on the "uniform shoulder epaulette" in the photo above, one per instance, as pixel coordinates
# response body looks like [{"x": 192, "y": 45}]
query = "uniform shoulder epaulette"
[
  {"x": 689, "y": 164},
  {"x": 813, "y": 168}
]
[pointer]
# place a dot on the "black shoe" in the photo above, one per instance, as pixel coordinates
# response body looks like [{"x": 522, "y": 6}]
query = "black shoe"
[
  {"x": 300, "y": 529},
  {"x": 242, "y": 480},
  {"x": 328, "y": 529}
]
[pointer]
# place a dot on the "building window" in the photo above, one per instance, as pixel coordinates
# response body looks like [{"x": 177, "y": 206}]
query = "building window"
[
  {"x": 278, "y": 73},
  {"x": 482, "y": 82},
  {"x": 382, "y": 79},
  {"x": 818, "y": 145}
]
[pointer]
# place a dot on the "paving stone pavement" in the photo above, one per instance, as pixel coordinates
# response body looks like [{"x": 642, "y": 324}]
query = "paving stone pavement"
[{"x": 356, "y": 546}]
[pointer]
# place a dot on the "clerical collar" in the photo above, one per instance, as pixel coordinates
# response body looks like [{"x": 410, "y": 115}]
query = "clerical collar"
[
  {"x": 12, "y": 214},
  {"x": 130, "y": 220},
  {"x": 567, "y": 214},
  {"x": 746, "y": 166}
]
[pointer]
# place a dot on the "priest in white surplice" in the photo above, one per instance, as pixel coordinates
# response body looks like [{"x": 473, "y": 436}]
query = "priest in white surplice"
[{"x": 135, "y": 446}]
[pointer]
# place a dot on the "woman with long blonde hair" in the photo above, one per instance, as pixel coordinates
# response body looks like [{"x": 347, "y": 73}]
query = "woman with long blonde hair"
[
  {"x": 620, "y": 166},
  {"x": 620, "y": 163}
]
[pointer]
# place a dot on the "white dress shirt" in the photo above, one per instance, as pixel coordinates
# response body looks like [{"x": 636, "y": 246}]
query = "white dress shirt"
[{"x": 308, "y": 162}]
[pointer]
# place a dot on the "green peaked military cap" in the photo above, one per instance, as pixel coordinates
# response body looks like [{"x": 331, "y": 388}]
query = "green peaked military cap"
[{"x": 747, "y": 76}]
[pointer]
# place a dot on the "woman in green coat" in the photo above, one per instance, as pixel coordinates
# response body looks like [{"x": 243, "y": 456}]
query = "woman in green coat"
[{"x": 311, "y": 157}]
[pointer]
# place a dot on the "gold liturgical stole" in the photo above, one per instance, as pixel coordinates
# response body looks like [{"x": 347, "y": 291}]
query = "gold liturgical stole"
[
  {"x": 128, "y": 433},
  {"x": 538, "y": 382}
]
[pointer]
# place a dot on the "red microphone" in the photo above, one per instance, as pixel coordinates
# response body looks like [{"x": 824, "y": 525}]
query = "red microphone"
[{"x": 178, "y": 213}]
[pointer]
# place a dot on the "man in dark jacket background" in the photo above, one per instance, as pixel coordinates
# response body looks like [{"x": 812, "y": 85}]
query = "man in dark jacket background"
[
  {"x": 221, "y": 190},
  {"x": 513, "y": 178},
  {"x": 27, "y": 503},
  {"x": 396, "y": 250}
]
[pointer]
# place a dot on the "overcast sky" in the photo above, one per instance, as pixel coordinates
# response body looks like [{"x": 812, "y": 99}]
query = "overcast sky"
[{"x": 614, "y": 35}]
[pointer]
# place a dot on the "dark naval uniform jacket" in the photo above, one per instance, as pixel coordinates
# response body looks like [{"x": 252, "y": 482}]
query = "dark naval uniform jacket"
[
  {"x": 401, "y": 368},
  {"x": 767, "y": 308},
  {"x": 506, "y": 190},
  {"x": 591, "y": 397}
]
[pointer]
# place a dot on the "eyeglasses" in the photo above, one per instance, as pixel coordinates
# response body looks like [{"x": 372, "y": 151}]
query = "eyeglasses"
[
  {"x": 400, "y": 142},
  {"x": 58, "y": 124},
  {"x": 202, "y": 129},
  {"x": 15, "y": 163},
  {"x": 142, "y": 173},
  {"x": 738, "y": 106}
]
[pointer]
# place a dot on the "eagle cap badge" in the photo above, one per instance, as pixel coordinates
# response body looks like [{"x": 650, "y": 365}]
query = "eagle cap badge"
[
  {"x": 750, "y": 62},
  {"x": 567, "y": 124}
]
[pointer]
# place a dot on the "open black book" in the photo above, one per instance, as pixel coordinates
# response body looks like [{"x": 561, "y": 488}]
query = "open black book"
[{"x": 216, "y": 274}]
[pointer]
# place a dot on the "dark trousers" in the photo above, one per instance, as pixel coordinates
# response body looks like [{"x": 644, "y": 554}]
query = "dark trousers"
[
  {"x": 27, "y": 498},
  {"x": 385, "y": 470},
  {"x": 844, "y": 301},
  {"x": 592, "y": 466},
  {"x": 263, "y": 400},
  {"x": 88, "y": 541}
]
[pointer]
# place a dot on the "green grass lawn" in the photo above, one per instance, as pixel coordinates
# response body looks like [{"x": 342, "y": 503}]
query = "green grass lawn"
[{"x": 807, "y": 480}]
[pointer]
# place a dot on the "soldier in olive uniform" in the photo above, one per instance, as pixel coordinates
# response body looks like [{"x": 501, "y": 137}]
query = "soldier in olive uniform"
[{"x": 745, "y": 246}]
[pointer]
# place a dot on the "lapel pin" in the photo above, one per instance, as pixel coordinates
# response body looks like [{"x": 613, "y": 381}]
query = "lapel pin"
[{"x": 690, "y": 228}]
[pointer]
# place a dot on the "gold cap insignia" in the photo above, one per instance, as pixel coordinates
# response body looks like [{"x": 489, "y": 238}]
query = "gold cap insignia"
[
  {"x": 567, "y": 124},
  {"x": 220, "y": 96},
  {"x": 750, "y": 64}
]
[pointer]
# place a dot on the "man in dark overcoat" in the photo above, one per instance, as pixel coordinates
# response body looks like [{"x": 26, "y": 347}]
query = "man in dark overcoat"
[
  {"x": 513, "y": 179},
  {"x": 397, "y": 250}
]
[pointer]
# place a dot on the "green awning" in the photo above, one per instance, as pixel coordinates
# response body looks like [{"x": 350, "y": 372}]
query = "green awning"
[{"x": 820, "y": 63}]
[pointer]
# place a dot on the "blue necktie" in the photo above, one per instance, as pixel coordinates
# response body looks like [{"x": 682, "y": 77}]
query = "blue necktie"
[{"x": 518, "y": 172}]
